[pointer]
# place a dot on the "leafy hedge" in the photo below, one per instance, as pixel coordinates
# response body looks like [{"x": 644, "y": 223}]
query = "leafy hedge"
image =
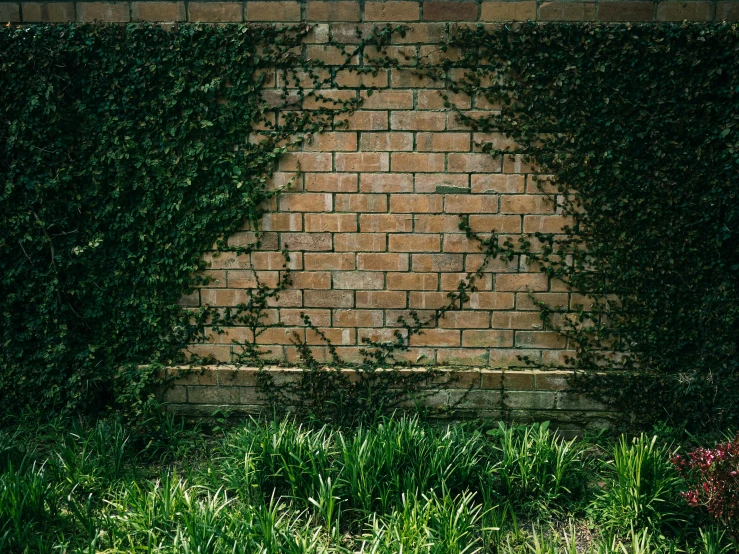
[{"x": 639, "y": 127}]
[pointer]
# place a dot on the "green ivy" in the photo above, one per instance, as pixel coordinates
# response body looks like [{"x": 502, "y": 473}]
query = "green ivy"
[
  {"x": 638, "y": 126},
  {"x": 125, "y": 156}
]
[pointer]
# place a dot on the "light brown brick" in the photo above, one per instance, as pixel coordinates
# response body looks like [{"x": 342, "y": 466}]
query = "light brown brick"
[
  {"x": 386, "y": 142},
  {"x": 465, "y": 320},
  {"x": 360, "y": 242},
  {"x": 450, "y": 11},
  {"x": 540, "y": 339},
  {"x": 437, "y": 262},
  {"x": 348, "y": 78},
  {"x": 421, "y": 33},
  {"x": 471, "y": 163},
  {"x": 416, "y": 203},
  {"x": 437, "y": 337},
  {"x": 373, "y": 223},
  {"x": 361, "y": 203},
  {"x": 311, "y": 280},
  {"x": 328, "y": 299},
  {"x": 329, "y": 98},
  {"x": 358, "y": 280},
  {"x": 500, "y": 183},
  {"x": 440, "y": 182},
  {"x": 332, "y": 11},
  {"x": 214, "y": 12},
  {"x": 680, "y": 11},
  {"x": 113, "y": 12},
  {"x": 416, "y": 162},
  {"x": 499, "y": 223},
  {"x": 386, "y": 182},
  {"x": 521, "y": 282},
  {"x": 305, "y": 202},
  {"x": 304, "y": 161},
  {"x": 312, "y": 242},
  {"x": 470, "y": 203},
  {"x": 60, "y": 12},
  {"x": 333, "y": 223},
  {"x": 517, "y": 320},
  {"x": 412, "y": 281},
  {"x": 462, "y": 356},
  {"x": 491, "y": 300},
  {"x": 545, "y": 223},
  {"x": 336, "y": 262},
  {"x": 387, "y": 100},
  {"x": 272, "y": 11},
  {"x": 508, "y": 11},
  {"x": 436, "y": 223},
  {"x": 293, "y": 318},
  {"x": 362, "y": 161},
  {"x": 364, "y": 121},
  {"x": 391, "y": 11},
  {"x": 727, "y": 11},
  {"x": 9, "y": 13},
  {"x": 332, "y": 142},
  {"x": 567, "y": 11},
  {"x": 414, "y": 243},
  {"x": 381, "y": 299},
  {"x": 626, "y": 11},
  {"x": 331, "y": 182},
  {"x": 382, "y": 262},
  {"x": 487, "y": 338},
  {"x": 433, "y": 100},
  {"x": 526, "y": 204},
  {"x": 418, "y": 121},
  {"x": 158, "y": 11},
  {"x": 358, "y": 318},
  {"x": 443, "y": 142}
]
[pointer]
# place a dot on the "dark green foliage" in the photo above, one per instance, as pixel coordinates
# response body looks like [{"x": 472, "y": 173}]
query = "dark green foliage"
[
  {"x": 124, "y": 157},
  {"x": 639, "y": 126}
]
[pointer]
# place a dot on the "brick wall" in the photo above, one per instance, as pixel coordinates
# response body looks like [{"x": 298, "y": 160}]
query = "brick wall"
[
  {"x": 372, "y": 220},
  {"x": 354, "y": 11}
]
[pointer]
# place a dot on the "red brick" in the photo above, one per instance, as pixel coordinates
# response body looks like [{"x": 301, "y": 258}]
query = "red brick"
[
  {"x": 306, "y": 241},
  {"x": 434, "y": 100},
  {"x": 498, "y": 223},
  {"x": 383, "y": 262},
  {"x": 626, "y": 11},
  {"x": 358, "y": 280},
  {"x": 388, "y": 142},
  {"x": 334, "y": 223},
  {"x": 334, "y": 336},
  {"x": 415, "y": 162},
  {"x": 402, "y": 78},
  {"x": 486, "y": 182},
  {"x": 113, "y": 12},
  {"x": 387, "y": 182},
  {"x": 393, "y": 317},
  {"x": 440, "y": 182},
  {"x": 487, "y": 338},
  {"x": 462, "y": 356},
  {"x": 465, "y": 320},
  {"x": 329, "y": 98},
  {"x": 305, "y": 202},
  {"x": 540, "y": 339},
  {"x": 391, "y": 223},
  {"x": 338, "y": 261},
  {"x": 294, "y": 318},
  {"x": 450, "y": 11},
  {"x": 680, "y": 11},
  {"x": 328, "y": 299},
  {"x": 491, "y": 301},
  {"x": 545, "y": 223},
  {"x": 272, "y": 11},
  {"x": 158, "y": 11},
  {"x": 358, "y": 318},
  {"x": 508, "y": 357},
  {"x": 414, "y": 243},
  {"x": 458, "y": 242},
  {"x": 361, "y": 203},
  {"x": 246, "y": 279},
  {"x": 387, "y": 100},
  {"x": 436, "y": 223},
  {"x": 418, "y": 121},
  {"x": 416, "y": 203},
  {"x": 311, "y": 280},
  {"x": 381, "y": 299},
  {"x": 412, "y": 281},
  {"x": 437, "y": 262},
  {"x": 332, "y": 142},
  {"x": 360, "y": 242},
  {"x": 364, "y": 121},
  {"x": 391, "y": 11},
  {"x": 470, "y": 163},
  {"x": 10, "y": 13},
  {"x": 332, "y": 11},
  {"x": 215, "y": 12},
  {"x": 437, "y": 337},
  {"x": 428, "y": 300},
  {"x": 304, "y": 161},
  {"x": 47, "y": 13},
  {"x": 362, "y": 161},
  {"x": 517, "y": 320},
  {"x": 331, "y": 182},
  {"x": 553, "y": 299},
  {"x": 567, "y": 11},
  {"x": 521, "y": 282},
  {"x": 526, "y": 204},
  {"x": 443, "y": 142},
  {"x": 508, "y": 11},
  {"x": 468, "y": 203}
]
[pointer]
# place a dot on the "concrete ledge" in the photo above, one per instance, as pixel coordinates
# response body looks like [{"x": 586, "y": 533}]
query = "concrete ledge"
[{"x": 521, "y": 396}]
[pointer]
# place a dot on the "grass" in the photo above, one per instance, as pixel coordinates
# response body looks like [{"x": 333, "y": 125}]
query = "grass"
[{"x": 398, "y": 485}]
